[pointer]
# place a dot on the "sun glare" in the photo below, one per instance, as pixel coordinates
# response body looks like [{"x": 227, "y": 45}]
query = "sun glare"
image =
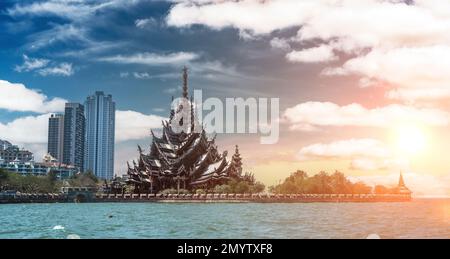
[{"x": 410, "y": 140}]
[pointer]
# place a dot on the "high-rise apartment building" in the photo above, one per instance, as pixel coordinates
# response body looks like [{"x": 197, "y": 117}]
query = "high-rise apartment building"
[
  {"x": 74, "y": 135},
  {"x": 100, "y": 113},
  {"x": 56, "y": 136}
]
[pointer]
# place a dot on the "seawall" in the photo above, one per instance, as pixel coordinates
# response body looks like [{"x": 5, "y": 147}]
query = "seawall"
[{"x": 202, "y": 198}]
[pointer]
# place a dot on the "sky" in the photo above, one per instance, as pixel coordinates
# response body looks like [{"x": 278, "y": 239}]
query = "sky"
[{"x": 364, "y": 85}]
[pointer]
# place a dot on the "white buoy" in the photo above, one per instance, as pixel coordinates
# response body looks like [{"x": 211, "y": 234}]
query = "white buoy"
[{"x": 58, "y": 227}]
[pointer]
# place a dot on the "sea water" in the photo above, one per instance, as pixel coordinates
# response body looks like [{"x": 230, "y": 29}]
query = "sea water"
[{"x": 421, "y": 218}]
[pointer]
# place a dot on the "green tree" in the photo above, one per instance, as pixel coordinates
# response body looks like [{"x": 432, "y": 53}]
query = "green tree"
[
  {"x": 288, "y": 187},
  {"x": 319, "y": 184},
  {"x": 339, "y": 183},
  {"x": 257, "y": 187},
  {"x": 242, "y": 187},
  {"x": 223, "y": 188},
  {"x": 52, "y": 176},
  {"x": 4, "y": 178},
  {"x": 361, "y": 188},
  {"x": 381, "y": 189},
  {"x": 200, "y": 191},
  {"x": 87, "y": 179}
]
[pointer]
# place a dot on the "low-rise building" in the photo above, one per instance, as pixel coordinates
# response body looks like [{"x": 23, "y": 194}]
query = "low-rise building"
[
  {"x": 62, "y": 171},
  {"x": 10, "y": 153}
]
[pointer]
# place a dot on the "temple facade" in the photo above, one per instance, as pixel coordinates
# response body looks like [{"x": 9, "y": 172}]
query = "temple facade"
[{"x": 185, "y": 159}]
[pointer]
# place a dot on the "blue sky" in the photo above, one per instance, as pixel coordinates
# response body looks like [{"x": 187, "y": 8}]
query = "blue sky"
[
  {"x": 343, "y": 74},
  {"x": 224, "y": 63}
]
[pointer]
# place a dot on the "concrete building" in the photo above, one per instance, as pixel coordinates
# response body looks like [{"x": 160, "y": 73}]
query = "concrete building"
[
  {"x": 10, "y": 153},
  {"x": 4, "y": 144}
]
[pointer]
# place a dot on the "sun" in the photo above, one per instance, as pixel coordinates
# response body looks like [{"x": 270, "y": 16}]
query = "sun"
[{"x": 410, "y": 140}]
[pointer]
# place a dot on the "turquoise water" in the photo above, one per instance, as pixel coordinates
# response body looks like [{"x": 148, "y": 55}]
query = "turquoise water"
[{"x": 423, "y": 218}]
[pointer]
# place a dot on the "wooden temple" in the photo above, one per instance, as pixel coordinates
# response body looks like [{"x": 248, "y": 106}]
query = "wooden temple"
[{"x": 186, "y": 160}]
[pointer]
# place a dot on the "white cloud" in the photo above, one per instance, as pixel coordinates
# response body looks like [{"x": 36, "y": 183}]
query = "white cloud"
[
  {"x": 153, "y": 59},
  {"x": 364, "y": 154},
  {"x": 142, "y": 75},
  {"x": 17, "y": 97},
  {"x": 145, "y": 23},
  {"x": 345, "y": 148},
  {"x": 69, "y": 9},
  {"x": 407, "y": 49},
  {"x": 63, "y": 69},
  {"x": 278, "y": 43},
  {"x": 44, "y": 67},
  {"x": 354, "y": 23},
  {"x": 323, "y": 53},
  {"x": 26, "y": 130},
  {"x": 258, "y": 17},
  {"x": 59, "y": 33},
  {"x": 371, "y": 164},
  {"x": 315, "y": 114},
  {"x": 30, "y": 64},
  {"x": 413, "y": 73},
  {"x": 134, "y": 125}
]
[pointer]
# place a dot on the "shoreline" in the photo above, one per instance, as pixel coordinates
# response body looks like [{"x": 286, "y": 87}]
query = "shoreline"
[{"x": 203, "y": 198}]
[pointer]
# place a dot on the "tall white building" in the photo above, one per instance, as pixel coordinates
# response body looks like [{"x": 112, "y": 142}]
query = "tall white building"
[{"x": 100, "y": 113}]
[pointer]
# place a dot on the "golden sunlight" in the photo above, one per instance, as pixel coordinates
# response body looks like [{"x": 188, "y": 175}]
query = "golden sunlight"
[{"x": 410, "y": 140}]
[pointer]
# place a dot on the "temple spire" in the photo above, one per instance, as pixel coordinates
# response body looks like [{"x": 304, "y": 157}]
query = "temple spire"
[
  {"x": 237, "y": 161},
  {"x": 185, "y": 84},
  {"x": 192, "y": 115},
  {"x": 401, "y": 183}
]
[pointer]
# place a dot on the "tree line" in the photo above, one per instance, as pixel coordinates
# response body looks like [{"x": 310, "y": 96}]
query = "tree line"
[
  {"x": 324, "y": 183},
  {"x": 11, "y": 181}
]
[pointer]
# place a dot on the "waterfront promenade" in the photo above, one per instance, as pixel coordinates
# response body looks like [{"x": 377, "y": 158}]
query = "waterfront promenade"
[{"x": 203, "y": 198}]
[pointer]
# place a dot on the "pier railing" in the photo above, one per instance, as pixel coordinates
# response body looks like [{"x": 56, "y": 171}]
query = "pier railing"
[
  {"x": 253, "y": 197},
  {"x": 33, "y": 198}
]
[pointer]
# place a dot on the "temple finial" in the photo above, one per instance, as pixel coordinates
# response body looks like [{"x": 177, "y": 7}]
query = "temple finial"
[
  {"x": 400, "y": 180},
  {"x": 185, "y": 84}
]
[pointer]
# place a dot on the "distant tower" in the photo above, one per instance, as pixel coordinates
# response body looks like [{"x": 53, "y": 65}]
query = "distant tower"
[
  {"x": 100, "y": 129},
  {"x": 56, "y": 136},
  {"x": 74, "y": 129}
]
